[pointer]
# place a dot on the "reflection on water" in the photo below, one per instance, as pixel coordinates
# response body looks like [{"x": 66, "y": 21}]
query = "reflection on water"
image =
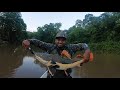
[
  {"x": 16, "y": 63},
  {"x": 29, "y": 69},
  {"x": 9, "y": 61}
]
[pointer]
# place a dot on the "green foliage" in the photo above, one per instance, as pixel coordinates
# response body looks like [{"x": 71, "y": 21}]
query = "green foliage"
[
  {"x": 102, "y": 33},
  {"x": 46, "y": 33},
  {"x": 12, "y": 27},
  {"x": 105, "y": 47}
]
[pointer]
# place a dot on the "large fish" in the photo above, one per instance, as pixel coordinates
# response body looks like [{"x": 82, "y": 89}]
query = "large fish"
[{"x": 57, "y": 60}]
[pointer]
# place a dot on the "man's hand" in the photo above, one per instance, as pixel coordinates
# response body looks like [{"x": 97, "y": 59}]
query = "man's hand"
[
  {"x": 49, "y": 64},
  {"x": 86, "y": 57},
  {"x": 25, "y": 44}
]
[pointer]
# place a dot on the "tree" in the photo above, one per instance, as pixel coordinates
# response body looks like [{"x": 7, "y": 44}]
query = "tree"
[{"x": 12, "y": 27}]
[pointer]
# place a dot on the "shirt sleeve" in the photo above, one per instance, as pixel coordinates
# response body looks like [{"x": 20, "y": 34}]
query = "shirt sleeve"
[
  {"x": 78, "y": 47},
  {"x": 41, "y": 44}
]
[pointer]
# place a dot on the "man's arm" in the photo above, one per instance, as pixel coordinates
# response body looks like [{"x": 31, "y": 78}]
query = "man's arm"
[
  {"x": 86, "y": 56},
  {"x": 43, "y": 45},
  {"x": 79, "y": 47}
]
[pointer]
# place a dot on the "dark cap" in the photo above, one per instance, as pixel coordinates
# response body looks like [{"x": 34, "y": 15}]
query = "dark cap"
[{"x": 61, "y": 34}]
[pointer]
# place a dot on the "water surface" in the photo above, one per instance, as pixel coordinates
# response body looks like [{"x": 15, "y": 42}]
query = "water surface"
[{"x": 15, "y": 62}]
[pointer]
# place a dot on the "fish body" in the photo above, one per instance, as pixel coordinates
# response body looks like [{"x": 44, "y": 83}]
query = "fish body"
[{"x": 55, "y": 59}]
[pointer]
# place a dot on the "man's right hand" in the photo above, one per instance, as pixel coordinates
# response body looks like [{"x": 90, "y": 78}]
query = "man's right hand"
[{"x": 25, "y": 44}]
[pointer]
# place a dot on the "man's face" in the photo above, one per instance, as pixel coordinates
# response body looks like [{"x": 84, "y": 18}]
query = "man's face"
[{"x": 60, "y": 41}]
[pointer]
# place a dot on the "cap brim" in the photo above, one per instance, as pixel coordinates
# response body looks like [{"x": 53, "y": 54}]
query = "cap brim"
[{"x": 61, "y": 37}]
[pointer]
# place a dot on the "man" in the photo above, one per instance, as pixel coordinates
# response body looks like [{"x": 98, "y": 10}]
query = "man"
[{"x": 58, "y": 47}]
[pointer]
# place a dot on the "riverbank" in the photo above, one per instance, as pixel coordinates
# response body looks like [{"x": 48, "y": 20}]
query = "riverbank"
[
  {"x": 100, "y": 48},
  {"x": 3, "y": 42},
  {"x": 105, "y": 47}
]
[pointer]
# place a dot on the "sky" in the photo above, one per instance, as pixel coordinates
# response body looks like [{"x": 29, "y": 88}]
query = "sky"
[{"x": 39, "y": 19}]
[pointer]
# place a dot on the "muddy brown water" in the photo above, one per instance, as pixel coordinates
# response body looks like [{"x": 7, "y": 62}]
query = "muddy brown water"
[{"x": 16, "y": 63}]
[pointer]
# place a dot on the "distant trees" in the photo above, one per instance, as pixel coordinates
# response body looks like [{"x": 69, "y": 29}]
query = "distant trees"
[
  {"x": 46, "y": 33},
  {"x": 104, "y": 28},
  {"x": 12, "y": 27}
]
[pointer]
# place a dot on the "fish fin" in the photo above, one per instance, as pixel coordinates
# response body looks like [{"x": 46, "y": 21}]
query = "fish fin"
[{"x": 65, "y": 53}]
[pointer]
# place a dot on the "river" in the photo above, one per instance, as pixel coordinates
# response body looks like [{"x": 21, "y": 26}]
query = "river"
[{"x": 15, "y": 62}]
